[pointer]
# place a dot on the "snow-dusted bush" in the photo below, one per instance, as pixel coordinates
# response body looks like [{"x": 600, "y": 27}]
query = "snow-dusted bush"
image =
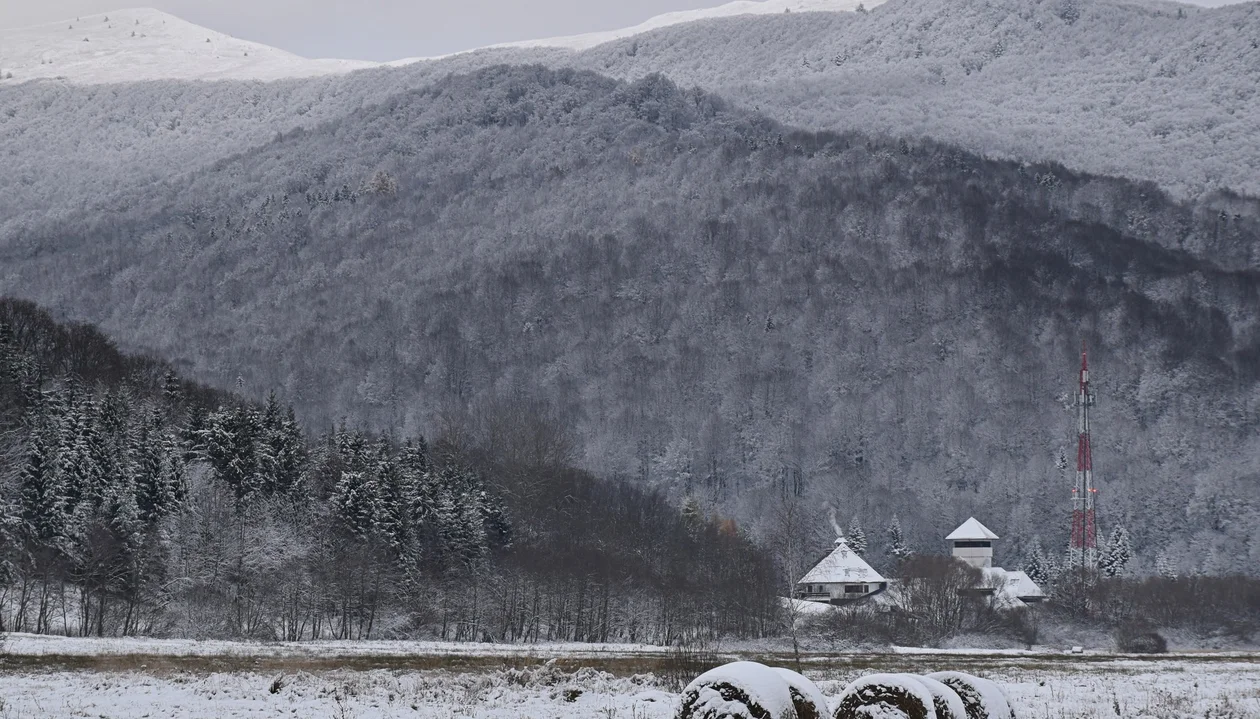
[
  {"x": 899, "y": 696},
  {"x": 982, "y": 698},
  {"x": 808, "y": 701},
  {"x": 1136, "y": 638},
  {"x": 946, "y": 701},
  {"x": 740, "y": 690}
]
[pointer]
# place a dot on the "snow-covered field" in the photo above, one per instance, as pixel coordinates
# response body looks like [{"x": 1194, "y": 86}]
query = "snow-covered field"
[{"x": 54, "y": 678}]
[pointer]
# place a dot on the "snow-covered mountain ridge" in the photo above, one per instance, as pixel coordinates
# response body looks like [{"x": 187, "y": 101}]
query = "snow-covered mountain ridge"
[
  {"x": 731, "y": 9},
  {"x": 146, "y": 44}
]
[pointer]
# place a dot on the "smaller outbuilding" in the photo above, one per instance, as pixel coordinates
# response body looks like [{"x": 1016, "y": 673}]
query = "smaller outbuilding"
[{"x": 841, "y": 577}]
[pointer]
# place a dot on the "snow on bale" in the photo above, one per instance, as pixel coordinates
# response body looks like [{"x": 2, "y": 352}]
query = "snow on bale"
[
  {"x": 886, "y": 696},
  {"x": 984, "y": 699},
  {"x": 740, "y": 690},
  {"x": 806, "y": 699},
  {"x": 946, "y": 701}
]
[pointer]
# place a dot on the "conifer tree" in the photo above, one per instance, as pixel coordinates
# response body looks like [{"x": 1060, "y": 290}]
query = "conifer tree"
[
  {"x": 285, "y": 452},
  {"x": 1116, "y": 554},
  {"x": 857, "y": 537},
  {"x": 42, "y": 499},
  {"x": 1165, "y": 566},
  {"x": 395, "y": 504},
  {"x": 193, "y": 434},
  {"x": 75, "y": 451},
  {"x": 414, "y": 457},
  {"x": 898, "y": 549},
  {"x": 231, "y": 447},
  {"x": 1036, "y": 566},
  {"x": 156, "y": 493}
]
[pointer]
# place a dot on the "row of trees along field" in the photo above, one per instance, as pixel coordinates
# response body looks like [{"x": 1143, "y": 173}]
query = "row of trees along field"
[{"x": 133, "y": 502}]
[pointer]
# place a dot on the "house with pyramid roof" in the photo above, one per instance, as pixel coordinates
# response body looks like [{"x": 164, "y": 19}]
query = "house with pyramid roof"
[{"x": 840, "y": 577}]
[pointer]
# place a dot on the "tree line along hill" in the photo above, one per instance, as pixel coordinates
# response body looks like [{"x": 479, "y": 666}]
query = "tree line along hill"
[{"x": 133, "y": 501}]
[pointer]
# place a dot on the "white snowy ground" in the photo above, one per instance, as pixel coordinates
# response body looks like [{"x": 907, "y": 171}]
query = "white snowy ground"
[{"x": 1041, "y": 686}]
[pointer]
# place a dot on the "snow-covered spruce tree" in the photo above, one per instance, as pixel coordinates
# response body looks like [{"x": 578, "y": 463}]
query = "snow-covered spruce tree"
[
  {"x": 1165, "y": 566},
  {"x": 355, "y": 504},
  {"x": 1117, "y": 554},
  {"x": 396, "y": 500},
  {"x": 1036, "y": 566},
  {"x": 75, "y": 454},
  {"x": 857, "y": 537},
  {"x": 41, "y": 494},
  {"x": 898, "y": 548},
  {"x": 282, "y": 455},
  {"x": 155, "y": 488},
  {"x": 231, "y": 437},
  {"x": 414, "y": 457}
]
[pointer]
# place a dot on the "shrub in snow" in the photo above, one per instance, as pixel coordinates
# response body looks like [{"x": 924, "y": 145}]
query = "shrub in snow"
[
  {"x": 806, "y": 699},
  {"x": 982, "y": 698},
  {"x": 945, "y": 700},
  {"x": 1139, "y": 639},
  {"x": 740, "y": 690},
  {"x": 888, "y": 696}
]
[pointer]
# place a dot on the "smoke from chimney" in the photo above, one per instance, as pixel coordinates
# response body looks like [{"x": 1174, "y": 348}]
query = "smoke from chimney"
[{"x": 831, "y": 515}]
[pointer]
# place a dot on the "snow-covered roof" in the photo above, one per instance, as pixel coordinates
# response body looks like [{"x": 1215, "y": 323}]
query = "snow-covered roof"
[
  {"x": 1009, "y": 587},
  {"x": 1022, "y": 585},
  {"x": 842, "y": 565},
  {"x": 971, "y": 529}
]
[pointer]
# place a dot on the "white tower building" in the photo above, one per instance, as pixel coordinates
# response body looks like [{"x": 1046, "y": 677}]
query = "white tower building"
[{"x": 973, "y": 543}]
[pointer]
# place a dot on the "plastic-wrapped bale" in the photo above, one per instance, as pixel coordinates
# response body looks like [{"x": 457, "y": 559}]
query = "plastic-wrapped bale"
[
  {"x": 806, "y": 699},
  {"x": 886, "y": 696},
  {"x": 740, "y": 690},
  {"x": 984, "y": 699},
  {"x": 946, "y": 701}
]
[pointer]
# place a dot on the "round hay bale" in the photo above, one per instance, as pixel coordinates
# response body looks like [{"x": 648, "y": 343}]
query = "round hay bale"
[
  {"x": 739, "y": 690},
  {"x": 806, "y": 699},
  {"x": 947, "y": 702},
  {"x": 984, "y": 699},
  {"x": 886, "y": 696}
]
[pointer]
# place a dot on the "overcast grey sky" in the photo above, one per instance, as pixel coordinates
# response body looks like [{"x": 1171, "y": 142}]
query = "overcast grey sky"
[{"x": 372, "y": 29}]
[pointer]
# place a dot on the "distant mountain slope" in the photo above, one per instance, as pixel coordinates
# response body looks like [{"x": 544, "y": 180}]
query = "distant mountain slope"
[
  {"x": 587, "y": 41},
  {"x": 1148, "y": 90},
  {"x": 145, "y": 44},
  {"x": 1125, "y": 89},
  {"x": 715, "y": 303}
]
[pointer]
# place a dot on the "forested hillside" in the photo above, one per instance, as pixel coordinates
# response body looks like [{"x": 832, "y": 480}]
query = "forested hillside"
[
  {"x": 711, "y": 303},
  {"x": 134, "y": 502},
  {"x": 1147, "y": 90}
]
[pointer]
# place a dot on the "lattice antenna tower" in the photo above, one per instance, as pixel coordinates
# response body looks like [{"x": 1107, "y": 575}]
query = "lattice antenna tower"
[{"x": 1083, "y": 549}]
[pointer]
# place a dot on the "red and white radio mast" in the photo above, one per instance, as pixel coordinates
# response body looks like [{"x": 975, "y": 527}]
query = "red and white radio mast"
[{"x": 1083, "y": 550}]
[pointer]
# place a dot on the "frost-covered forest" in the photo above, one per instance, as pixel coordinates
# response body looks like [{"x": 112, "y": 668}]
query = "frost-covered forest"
[
  {"x": 713, "y": 304},
  {"x": 1147, "y": 90},
  {"x": 135, "y": 502}
]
